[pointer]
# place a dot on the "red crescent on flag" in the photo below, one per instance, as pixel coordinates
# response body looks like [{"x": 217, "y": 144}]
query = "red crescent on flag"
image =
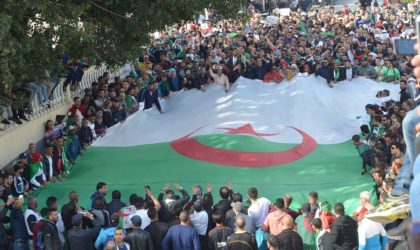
[{"x": 194, "y": 149}]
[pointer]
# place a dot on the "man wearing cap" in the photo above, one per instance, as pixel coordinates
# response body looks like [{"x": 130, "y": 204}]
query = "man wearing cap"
[
  {"x": 238, "y": 210},
  {"x": 182, "y": 236},
  {"x": 107, "y": 234},
  {"x": 273, "y": 221},
  {"x": 79, "y": 238},
  {"x": 137, "y": 238},
  {"x": 36, "y": 173}
]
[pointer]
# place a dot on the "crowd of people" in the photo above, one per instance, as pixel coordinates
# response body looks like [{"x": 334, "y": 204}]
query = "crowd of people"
[{"x": 335, "y": 45}]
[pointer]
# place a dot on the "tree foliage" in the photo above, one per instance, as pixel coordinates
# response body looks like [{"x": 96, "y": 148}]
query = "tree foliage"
[{"x": 34, "y": 34}]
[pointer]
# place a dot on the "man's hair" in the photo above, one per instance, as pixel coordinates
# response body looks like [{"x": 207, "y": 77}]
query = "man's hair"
[
  {"x": 177, "y": 209},
  {"x": 118, "y": 229},
  {"x": 224, "y": 192},
  {"x": 355, "y": 138},
  {"x": 51, "y": 201},
  {"x": 76, "y": 98},
  {"x": 31, "y": 201},
  {"x": 132, "y": 199},
  {"x": 17, "y": 167},
  {"x": 273, "y": 241},
  {"x": 139, "y": 203},
  {"x": 44, "y": 212},
  {"x": 280, "y": 203},
  {"x": 240, "y": 222},
  {"x": 51, "y": 210},
  {"x": 381, "y": 173},
  {"x": 317, "y": 223},
  {"x": 184, "y": 216},
  {"x": 100, "y": 185},
  {"x": 253, "y": 193},
  {"x": 152, "y": 213},
  {"x": 116, "y": 195},
  {"x": 313, "y": 194},
  {"x": 218, "y": 217},
  {"x": 398, "y": 145},
  {"x": 237, "y": 197},
  {"x": 71, "y": 193},
  {"x": 364, "y": 128},
  {"x": 339, "y": 208},
  {"x": 287, "y": 199}
]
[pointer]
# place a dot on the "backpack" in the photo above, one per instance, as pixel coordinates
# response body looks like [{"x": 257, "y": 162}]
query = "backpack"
[{"x": 38, "y": 237}]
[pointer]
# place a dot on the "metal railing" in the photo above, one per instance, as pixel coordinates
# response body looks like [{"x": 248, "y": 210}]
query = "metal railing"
[{"x": 61, "y": 98}]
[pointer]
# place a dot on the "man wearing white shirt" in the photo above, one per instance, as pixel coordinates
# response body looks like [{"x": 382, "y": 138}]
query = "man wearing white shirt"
[
  {"x": 140, "y": 205},
  {"x": 200, "y": 220},
  {"x": 258, "y": 211}
]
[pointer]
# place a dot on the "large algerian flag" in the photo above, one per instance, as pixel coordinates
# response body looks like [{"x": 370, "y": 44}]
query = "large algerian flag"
[{"x": 283, "y": 138}]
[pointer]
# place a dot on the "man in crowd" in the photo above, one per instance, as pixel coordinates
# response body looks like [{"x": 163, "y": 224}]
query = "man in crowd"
[
  {"x": 137, "y": 238},
  {"x": 241, "y": 239},
  {"x": 79, "y": 237},
  {"x": 182, "y": 236},
  {"x": 157, "y": 229},
  {"x": 343, "y": 230}
]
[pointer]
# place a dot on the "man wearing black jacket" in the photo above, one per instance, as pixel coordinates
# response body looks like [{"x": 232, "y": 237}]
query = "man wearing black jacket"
[
  {"x": 116, "y": 204},
  {"x": 325, "y": 71},
  {"x": 138, "y": 238},
  {"x": 151, "y": 97},
  {"x": 224, "y": 204},
  {"x": 4, "y": 241},
  {"x": 79, "y": 238},
  {"x": 343, "y": 230},
  {"x": 50, "y": 232},
  {"x": 157, "y": 229}
]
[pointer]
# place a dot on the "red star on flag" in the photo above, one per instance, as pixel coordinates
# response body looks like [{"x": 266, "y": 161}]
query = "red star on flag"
[{"x": 246, "y": 129}]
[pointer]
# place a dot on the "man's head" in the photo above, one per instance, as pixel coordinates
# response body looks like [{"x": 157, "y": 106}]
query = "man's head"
[
  {"x": 184, "y": 217},
  {"x": 237, "y": 207},
  {"x": 379, "y": 176},
  {"x": 119, "y": 236},
  {"x": 218, "y": 218},
  {"x": 224, "y": 193},
  {"x": 306, "y": 208},
  {"x": 272, "y": 242},
  {"x": 52, "y": 202},
  {"x": 53, "y": 214},
  {"x": 139, "y": 203},
  {"x": 102, "y": 188},
  {"x": 136, "y": 221},
  {"x": 152, "y": 214},
  {"x": 279, "y": 204},
  {"x": 240, "y": 222},
  {"x": 403, "y": 84},
  {"x": 317, "y": 224},
  {"x": 252, "y": 193},
  {"x": 73, "y": 196},
  {"x": 288, "y": 222},
  {"x": 7, "y": 179},
  {"x": 396, "y": 148},
  {"x": 116, "y": 195},
  {"x": 198, "y": 206},
  {"x": 77, "y": 220},
  {"x": 287, "y": 200},
  {"x": 313, "y": 197},
  {"x": 32, "y": 202},
  {"x": 339, "y": 209},
  {"x": 114, "y": 220},
  {"x": 364, "y": 198},
  {"x": 18, "y": 169}
]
